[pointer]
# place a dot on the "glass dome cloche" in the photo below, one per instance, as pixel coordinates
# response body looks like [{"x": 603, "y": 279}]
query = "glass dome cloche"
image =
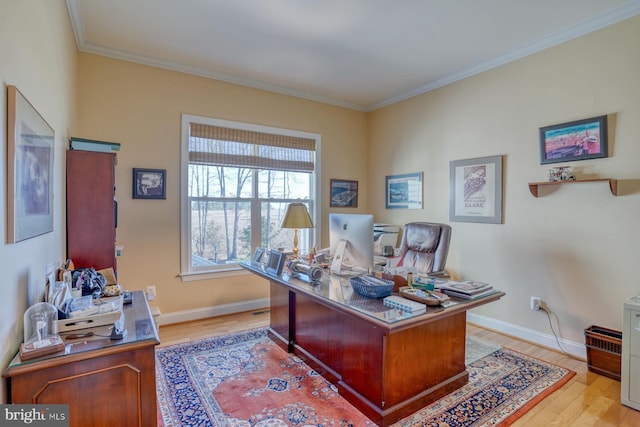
[{"x": 40, "y": 330}]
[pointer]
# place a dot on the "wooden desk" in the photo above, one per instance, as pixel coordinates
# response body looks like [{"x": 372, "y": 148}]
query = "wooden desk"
[
  {"x": 386, "y": 364},
  {"x": 105, "y": 382}
]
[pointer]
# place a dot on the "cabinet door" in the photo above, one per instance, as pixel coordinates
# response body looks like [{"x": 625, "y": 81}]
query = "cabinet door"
[
  {"x": 634, "y": 332},
  {"x": 116, "y": 389},
  {"x": 91, "y": 232}
]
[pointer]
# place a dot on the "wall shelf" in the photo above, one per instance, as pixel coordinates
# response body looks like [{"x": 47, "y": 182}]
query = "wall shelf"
[{"x": 613, "y": 184}]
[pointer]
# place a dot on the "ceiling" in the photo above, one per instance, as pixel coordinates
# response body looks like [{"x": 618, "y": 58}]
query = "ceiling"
[{"x": 359, "y": 54}]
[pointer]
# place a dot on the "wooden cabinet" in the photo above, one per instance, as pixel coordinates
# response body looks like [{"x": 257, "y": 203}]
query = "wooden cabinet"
[
  {"x": 105, "y": 382},
  {"x": 91, "y": 209}
]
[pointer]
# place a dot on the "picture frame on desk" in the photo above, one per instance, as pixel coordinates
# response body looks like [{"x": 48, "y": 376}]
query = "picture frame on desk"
[
  {"x": 475, "y": 187},
  {"x": 258, "y": 255},
  {"x": 571, "y": 141},
  {"x": 275, "y": 262},
  {"x": 30, "y": 142},
  {"x": 149, "y": 183}
]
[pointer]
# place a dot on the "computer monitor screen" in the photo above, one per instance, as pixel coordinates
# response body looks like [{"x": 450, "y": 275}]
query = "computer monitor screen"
[{"x": 356, "y": 233}]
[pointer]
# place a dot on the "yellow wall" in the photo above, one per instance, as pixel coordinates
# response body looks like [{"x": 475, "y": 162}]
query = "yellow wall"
[
  {"x": 576, "y": 246},
  {"x": 37, "y": 55},
  {"x": 140, "y": 107}
]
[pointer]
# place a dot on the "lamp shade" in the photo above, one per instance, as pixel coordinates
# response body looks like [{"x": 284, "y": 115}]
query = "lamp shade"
[{"x": 296, "y": 216}]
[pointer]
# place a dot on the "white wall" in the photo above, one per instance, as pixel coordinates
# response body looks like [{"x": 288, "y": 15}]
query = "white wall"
[
  {"x": 574, "y": 246},
  {"x": 37, "y": 55}
]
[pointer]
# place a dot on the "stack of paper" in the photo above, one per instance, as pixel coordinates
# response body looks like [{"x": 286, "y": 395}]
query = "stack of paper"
[{"x": 466, "y": 289}]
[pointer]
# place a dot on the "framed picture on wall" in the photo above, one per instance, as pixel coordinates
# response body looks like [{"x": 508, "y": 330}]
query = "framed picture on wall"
[
  {"x": 149, "y": 183},
  {"x": 404, "y": 191},
  {"x": 578, "y": 140},
  {"x": 30, "y": 142},
  {"x": 475, "y": 187},
  {"x": 344, "y": 194}
]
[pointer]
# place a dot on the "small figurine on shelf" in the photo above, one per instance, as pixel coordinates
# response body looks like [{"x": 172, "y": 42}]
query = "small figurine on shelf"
[
  {"x": 561, "y": 173},
  {"x": 567, "y": 174}
]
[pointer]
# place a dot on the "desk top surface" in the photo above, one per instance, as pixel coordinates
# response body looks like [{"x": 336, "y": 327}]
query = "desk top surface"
[
  {"x": 137, "y": 322},
  {"x": 338, "y": 291}
]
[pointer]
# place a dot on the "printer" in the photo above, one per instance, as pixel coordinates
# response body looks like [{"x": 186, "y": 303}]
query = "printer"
[{"x": 385, "y": 235}]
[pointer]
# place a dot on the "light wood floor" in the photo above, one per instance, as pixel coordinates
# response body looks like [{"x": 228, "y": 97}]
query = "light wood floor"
[{"x": 588, "y": 399}]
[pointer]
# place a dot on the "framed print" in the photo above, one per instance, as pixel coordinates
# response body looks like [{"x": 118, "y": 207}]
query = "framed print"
[
  {"x": 149, "y": 183},
  {"x": 257, "y": 255},
  {"x": 30, "y": 142},
  {"x": 404, "y": 191},
  {"x": 275, "y": 262},
  {"x": 475, "y": 187},
  {"x": 579, "y": 140},
  {"x": 344, "y": 194}
]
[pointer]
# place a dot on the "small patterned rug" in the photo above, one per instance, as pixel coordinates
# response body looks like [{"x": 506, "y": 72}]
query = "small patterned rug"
[{"x": 245, "y": 380}]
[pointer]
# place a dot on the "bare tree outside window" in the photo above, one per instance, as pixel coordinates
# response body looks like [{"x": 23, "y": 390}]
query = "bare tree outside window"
[
  {"x": 239, "y": 180},
  {"x": 221, "y": 218}
]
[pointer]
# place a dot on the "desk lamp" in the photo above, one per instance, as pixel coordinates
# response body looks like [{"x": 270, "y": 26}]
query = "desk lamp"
[{"x": 296, "y": 217}]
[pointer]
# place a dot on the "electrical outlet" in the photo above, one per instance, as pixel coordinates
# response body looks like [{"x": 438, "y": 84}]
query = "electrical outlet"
[
  {"x": 151, "y": 292},
  {"x": 536, "y": 303}
]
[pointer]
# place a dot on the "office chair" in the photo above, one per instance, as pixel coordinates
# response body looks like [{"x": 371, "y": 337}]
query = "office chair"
[{"x": 425, "y": 246}]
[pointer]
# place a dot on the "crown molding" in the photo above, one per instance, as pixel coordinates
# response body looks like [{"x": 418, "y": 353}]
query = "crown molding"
[{"x": 629, "y": 10}]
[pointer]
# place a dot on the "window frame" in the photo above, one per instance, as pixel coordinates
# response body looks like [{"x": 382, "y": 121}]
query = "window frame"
[{"x": 189, "y": 273}]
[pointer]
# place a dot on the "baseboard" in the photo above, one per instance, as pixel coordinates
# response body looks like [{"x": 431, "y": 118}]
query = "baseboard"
[
  {"x": 213, "y": 311},
  {"x": 526, "y": 334}
]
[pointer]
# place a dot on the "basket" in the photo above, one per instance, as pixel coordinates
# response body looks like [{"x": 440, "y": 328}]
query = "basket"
[{"x": 372, "y": 287}]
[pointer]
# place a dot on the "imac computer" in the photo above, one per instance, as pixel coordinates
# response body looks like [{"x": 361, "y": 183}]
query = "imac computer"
[{"x": 351, "y": 243}]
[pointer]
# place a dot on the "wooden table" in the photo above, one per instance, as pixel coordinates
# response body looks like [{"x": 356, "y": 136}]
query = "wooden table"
[
  {"x": 105, "y": 382},
  {"x": 388, "y": 364}
]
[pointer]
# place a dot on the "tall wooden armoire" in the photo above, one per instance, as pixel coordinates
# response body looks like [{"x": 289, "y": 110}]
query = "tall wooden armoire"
[{"x": 91, "y": 209}]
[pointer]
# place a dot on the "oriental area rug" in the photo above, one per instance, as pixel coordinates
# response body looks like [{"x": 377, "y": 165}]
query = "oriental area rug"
[{"x": 246, "y": 380}]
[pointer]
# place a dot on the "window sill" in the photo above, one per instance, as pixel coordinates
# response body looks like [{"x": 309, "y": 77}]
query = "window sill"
[{"x": 218, "y": 274}]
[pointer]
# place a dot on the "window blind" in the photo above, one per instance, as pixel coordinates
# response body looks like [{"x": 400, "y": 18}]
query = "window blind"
[{"x": 216, "y": 145}]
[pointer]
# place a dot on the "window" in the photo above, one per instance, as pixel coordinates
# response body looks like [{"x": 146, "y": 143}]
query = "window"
[{"x": 237, "y": 180}]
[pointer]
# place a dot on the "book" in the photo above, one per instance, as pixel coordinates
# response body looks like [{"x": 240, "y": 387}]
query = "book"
[
  {"x": 91, "y": 145},
  {"x": 467, "y": 287},
  {"x": 462, "y": 295}
]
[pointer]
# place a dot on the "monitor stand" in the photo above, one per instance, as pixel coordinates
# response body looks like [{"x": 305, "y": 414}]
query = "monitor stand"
[
  {"x": 337, "y": 266},
  {"x": 338, "y": 257}
]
